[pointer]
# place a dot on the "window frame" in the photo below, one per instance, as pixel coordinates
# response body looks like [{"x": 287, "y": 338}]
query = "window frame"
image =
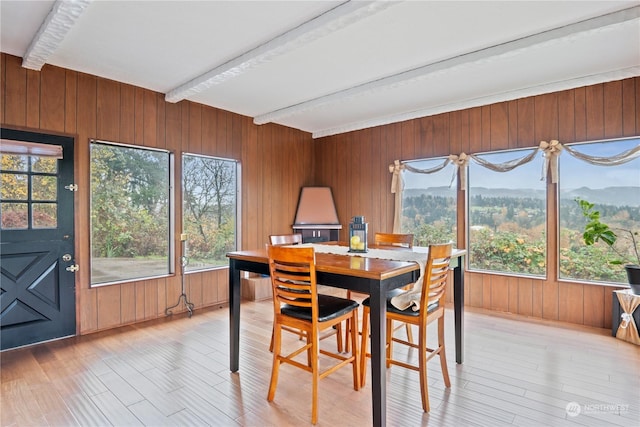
[
  {"x": 547, "y": 222},
  {"x": 453, "y": 184},
  {"x": 171, "y": 255},
  {"x": 30, "y": 201},
  {"x": 558, "y": 224},
  {"x": 237, "y": 210}
]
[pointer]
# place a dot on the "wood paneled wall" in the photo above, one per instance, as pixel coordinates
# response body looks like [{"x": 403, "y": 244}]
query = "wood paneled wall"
[
  {"x": 356, "y": 164},
  {"x": 276, "y": 161}
]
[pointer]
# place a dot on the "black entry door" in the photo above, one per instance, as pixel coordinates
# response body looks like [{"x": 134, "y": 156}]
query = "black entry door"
[{"x": 37, "y": 295}]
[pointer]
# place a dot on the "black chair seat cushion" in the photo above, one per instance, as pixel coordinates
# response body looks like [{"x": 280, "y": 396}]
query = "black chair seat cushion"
[
  {"x": 329, "y": 307},
  {"x": 408, "y": 312}
]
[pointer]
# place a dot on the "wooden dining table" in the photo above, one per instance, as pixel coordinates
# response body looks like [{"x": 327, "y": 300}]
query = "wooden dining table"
[{"x": 372, "y": 276}]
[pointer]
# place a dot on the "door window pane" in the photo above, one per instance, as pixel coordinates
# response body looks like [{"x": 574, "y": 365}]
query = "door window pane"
[
  {"x": 130, "y": 213},
  {"x": 14, "y": 215},
  {"x": 507, "y": 217},
  {"x": 44, "y": 215},
  {"x": 44, "y": 164},
  {"x": 13, "y": 162},
  {"x": 31, "y": 179},
  {"x": 14, "y": 186},
  {"x": 209, "y": 210},
  {"x": 429, "y": 203},
  {"x": 44, "y": 188},
  {"x": 615, "y": 192}
]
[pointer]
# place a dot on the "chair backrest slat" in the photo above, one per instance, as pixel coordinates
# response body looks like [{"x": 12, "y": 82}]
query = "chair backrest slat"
[
  {"x": 394, "y": 239},
  {"x": 436, "y": 274},
  {"x": 285, "y": 239}
]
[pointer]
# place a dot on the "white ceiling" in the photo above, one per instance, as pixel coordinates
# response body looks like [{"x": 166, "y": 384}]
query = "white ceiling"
[{"x": 328, "y": 67}]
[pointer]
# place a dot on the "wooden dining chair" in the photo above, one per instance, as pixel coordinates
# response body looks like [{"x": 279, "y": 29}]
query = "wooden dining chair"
[
  {"x": 432, "y": 300},
  {"x": 296, "y": 239},
  {"x": 297, "y": 304},
  {"x": 395, "y": 241}
]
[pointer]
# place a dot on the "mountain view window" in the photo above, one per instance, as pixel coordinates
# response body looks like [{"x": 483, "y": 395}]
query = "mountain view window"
[
  {"x": 615, "y": 193},
  {"x": 209, "y": 201},
  {"x": 429, "y": 203},
  {"x": 130, "y": 213},
  {"x": 507, "y": 217}
]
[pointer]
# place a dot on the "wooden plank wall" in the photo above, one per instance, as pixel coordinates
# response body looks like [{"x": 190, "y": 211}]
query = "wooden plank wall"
[
  {"x": 356, "y": 164},
  {"x": 276, "y": 161}
]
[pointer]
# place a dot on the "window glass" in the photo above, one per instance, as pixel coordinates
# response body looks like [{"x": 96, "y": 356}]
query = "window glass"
[
  {"x": 14, "y": 216},
  {"x": 15, "y": 186},
  {"x": 429, "y": 203},
  {"x": 615, "y": 193},
  {"x": 130, "y": 213},
  {"x": 507, "y": 216},
  {"x": 25, "y": 181},
  {"x": 44, "y": 187},
  {"x": 14, "y": 162},
  {"x": 44, "y": 215},
  {"x": 209, "y": 192},
  {"x": 44, "y": 164}
]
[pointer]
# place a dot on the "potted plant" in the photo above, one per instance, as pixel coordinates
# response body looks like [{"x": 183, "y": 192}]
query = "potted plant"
[{"x": 595, "y": 230}]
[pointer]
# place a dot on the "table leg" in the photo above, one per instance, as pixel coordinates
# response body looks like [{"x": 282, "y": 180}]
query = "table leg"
[
  {"x": 378, "y": 356},
  {"x": 458, "y": 307},
  {"x": 234, "y": 315}
]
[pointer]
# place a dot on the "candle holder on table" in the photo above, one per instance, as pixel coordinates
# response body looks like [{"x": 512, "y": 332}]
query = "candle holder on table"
[{"x": 358, "y": 235}]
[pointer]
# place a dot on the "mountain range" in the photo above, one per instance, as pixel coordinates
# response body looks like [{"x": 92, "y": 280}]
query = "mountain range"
[{"x": 615, "y": 196}]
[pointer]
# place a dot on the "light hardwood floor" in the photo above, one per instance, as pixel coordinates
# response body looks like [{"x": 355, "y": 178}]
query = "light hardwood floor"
[{"x": 517, "y": 371}]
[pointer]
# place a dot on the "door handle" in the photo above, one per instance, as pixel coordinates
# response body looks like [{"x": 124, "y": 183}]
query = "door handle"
[{"x": 73, "y": 268}]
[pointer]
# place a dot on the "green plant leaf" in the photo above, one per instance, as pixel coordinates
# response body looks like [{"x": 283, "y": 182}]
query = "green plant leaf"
[{"x": 608, "y": 236}]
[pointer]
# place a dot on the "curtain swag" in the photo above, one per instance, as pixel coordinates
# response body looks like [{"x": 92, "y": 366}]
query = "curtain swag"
[
  {"x": 550, "y": 151},
  {"x": 397, "y": 185}
]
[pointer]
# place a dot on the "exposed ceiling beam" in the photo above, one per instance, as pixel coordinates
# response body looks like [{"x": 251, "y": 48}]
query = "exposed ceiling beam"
[
  {"x": 339, "y": 17},
  {"x": 485, "y": 100},
  {"x": 468, "y": 59},
  {"x": 54, "y": 28}
]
